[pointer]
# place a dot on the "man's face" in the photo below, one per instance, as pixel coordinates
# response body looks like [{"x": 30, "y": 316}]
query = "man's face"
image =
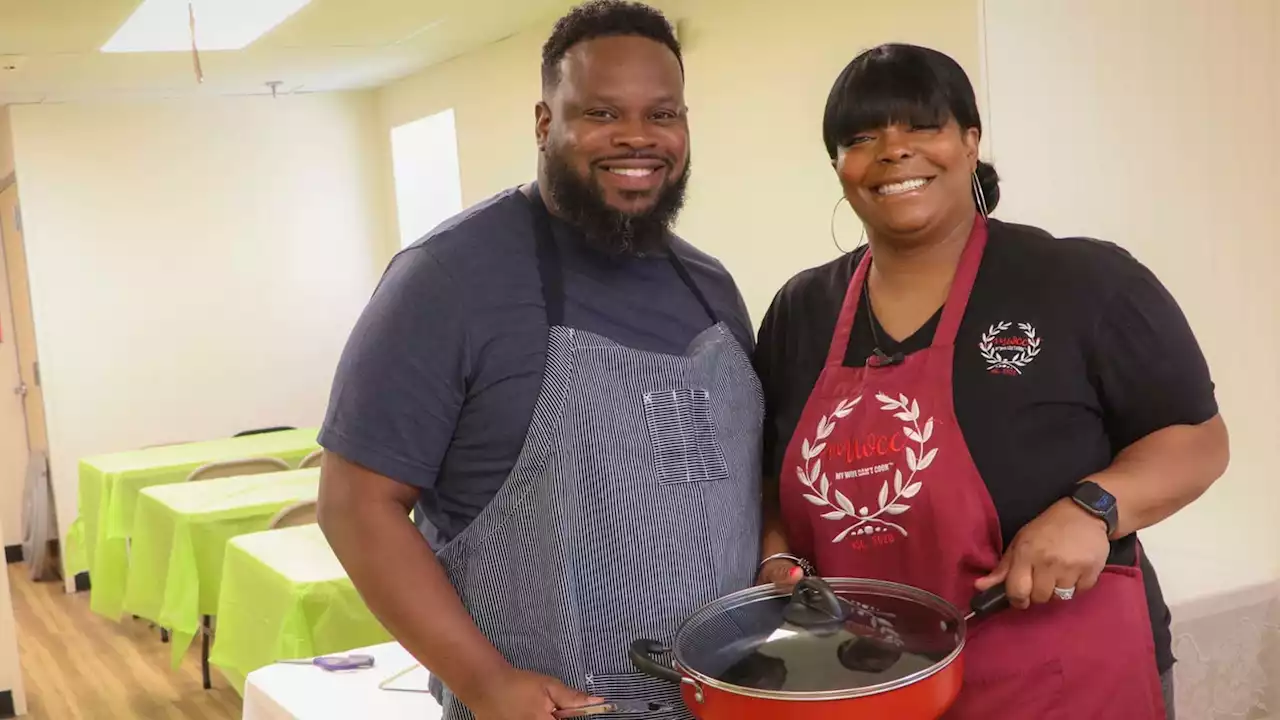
[{"x": 615, "y": 140}]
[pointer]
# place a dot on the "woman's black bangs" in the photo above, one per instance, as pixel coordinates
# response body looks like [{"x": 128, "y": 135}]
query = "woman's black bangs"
[{"x": 871, "y": 95}]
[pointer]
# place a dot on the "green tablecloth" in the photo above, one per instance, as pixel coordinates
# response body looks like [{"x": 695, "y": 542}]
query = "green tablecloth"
[
  {"x": 108, "y": 493},
  {"x": 284, "y": 595},
  {"x": 180, "y": 532}
]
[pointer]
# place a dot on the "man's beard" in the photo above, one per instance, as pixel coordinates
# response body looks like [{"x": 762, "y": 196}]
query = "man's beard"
[{"x": 581, "y": 202}]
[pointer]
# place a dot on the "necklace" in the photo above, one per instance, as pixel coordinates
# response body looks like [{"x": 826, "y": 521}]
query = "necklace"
[{"x": 879, "y": 358}]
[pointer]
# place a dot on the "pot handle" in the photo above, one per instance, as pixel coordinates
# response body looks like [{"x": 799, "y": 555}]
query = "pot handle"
[{"x": 640, "y": 654}]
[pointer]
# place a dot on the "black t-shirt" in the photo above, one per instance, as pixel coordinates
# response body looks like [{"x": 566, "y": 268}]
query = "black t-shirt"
[{"x": 1116, "y": 361}]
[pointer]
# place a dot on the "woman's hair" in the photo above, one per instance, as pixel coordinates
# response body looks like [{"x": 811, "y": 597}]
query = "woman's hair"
[{"x": 907, "y": 84}]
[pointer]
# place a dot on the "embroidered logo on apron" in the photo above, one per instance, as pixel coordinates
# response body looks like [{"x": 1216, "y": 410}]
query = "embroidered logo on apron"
[
  {"x": 1008, "y": 355},
  {"x": 890, "y": 502}
]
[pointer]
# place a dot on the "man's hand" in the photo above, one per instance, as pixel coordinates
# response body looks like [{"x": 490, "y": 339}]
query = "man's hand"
[
  {"x": 520, "y": 695},
  {"x": 1064, "y": 547}
]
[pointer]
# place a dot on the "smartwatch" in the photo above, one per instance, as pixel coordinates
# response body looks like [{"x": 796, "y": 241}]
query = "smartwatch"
[{"x": 1097, "y": 502}]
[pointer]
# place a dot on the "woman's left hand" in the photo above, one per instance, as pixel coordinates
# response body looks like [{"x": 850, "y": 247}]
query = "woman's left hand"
[{"x": 1064, "y": 547}]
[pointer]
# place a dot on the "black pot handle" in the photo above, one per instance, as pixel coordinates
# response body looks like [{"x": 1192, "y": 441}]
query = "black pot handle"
[
  {"x": 641, "y": 656},
  {"x": 813, "y": 604},
  {"x": 988, "y": 602}
]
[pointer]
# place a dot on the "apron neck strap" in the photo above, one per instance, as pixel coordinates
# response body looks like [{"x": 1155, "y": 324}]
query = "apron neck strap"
[
  {"x": 952, "y": 313},
  {"x": 551, "y": 271}
]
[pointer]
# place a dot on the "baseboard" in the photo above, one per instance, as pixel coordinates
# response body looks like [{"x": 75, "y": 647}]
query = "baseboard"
[
  {"x": 7, "y": 710},
  {"x": 1228, "y": 651},
  {"x": 82, "y": 582},
  {"x": 12, "y": 554}
]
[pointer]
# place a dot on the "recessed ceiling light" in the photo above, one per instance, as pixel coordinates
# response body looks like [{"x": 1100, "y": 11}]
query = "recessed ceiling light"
[{"x": 164, "y": 25}]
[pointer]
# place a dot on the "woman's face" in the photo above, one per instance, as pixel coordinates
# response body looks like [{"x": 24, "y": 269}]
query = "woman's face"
[{"x": 906, "y": 181}]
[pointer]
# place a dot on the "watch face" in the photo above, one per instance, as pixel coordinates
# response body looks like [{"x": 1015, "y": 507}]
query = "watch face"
[{"x": 1095, "y": 497}]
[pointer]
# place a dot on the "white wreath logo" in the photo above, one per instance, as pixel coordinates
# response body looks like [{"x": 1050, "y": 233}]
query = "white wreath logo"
[
  {"x": 996, "y": 361},
  {"x": 842, "y": 507}
]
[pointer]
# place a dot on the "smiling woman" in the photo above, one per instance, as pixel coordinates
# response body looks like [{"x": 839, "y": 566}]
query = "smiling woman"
[{"x": 1050, "y": 398}]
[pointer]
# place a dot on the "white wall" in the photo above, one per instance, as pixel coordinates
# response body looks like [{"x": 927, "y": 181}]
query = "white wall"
[
  {"x": 196, "y": 265},
  {"x": 6, "y": 144},
  {"x": 758, "y": 76},
  {"x": 1154, "y": 124}
]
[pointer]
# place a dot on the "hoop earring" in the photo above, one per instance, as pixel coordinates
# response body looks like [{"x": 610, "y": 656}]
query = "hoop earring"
[
  {"x": 979, "y": 197},
  {"x": 836, "y": 242}
]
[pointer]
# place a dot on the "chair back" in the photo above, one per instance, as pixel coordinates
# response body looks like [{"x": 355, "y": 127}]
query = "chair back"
[
  {"x": 260, "y": 431},
  {"x": 243, "y": 466},
  {"x": 302, "y": 512},
  {"x": 312, "y": 460}
]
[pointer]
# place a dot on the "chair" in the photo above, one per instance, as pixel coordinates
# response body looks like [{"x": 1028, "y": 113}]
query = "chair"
[
  {"x": 260, "y": 431},
  {"x": 222, "y": 469},
  {"x": 312, "y": 460},
  {"x": 302, "y": 512},
  {"x": 242, "y": 466}
]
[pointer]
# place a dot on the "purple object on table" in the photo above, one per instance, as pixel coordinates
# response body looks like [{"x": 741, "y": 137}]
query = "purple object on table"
[{"x": 335, "y": 663}]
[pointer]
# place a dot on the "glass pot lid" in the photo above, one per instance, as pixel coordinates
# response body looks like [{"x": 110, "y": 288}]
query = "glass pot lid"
[{"x": 840, "y": 637}]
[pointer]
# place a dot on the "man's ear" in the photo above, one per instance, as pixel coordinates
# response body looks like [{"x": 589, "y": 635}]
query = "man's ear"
[{"x": 541, "y": 124}]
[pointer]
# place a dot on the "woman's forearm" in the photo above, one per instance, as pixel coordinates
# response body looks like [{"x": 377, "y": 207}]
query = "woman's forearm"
[{"x": 1164, "y": 472}]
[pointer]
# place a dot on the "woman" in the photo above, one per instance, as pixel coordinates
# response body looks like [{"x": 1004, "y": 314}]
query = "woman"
[{"x": 966, "y": 402}]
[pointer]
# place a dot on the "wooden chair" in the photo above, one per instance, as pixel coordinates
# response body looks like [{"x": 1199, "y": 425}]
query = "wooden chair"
[
  {"x": 312, "y": 460},
  {"x": 222, "y": 469},
  {"x": 242, "y": 466},
  {"x": 302, "y": 512}
]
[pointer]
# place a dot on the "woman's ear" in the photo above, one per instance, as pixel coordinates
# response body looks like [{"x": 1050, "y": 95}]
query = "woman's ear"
[{"x": 972, "y": 142}]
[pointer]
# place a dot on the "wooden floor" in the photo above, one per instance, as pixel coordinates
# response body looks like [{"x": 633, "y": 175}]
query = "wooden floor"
[{"x": 79, "y": 666}]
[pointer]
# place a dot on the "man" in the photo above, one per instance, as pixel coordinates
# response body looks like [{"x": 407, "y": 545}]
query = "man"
[{"x": 562, "y": 389}]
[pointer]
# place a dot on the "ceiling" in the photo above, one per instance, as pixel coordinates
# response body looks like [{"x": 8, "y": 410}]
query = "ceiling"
[{"x": 49, "y": 48}]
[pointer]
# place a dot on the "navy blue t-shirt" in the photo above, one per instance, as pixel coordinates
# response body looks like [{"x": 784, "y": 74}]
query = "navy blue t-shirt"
[{"x": 437, "y": 384}]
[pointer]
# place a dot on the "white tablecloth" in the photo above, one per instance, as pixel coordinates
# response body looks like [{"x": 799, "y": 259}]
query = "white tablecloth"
[{"x": 304, "y": 692}]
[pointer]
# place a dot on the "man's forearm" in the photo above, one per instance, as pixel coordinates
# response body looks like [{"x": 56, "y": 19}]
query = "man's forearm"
[
  {"x": 1164, "y": 472},
  {"x": 405, "y": 587}
]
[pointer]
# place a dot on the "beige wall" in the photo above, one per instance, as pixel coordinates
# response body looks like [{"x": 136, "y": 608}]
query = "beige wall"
[
  {"x": 1163, "y": 139},
  {"x": 196, "y": 265},
  {"x": 756, "y": 120},
  {"x": 6, "y": 144}
]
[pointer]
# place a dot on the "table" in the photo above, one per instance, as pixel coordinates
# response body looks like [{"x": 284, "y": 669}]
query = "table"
[
  {"x": 108, "y": 493},
  {"x": 300, "y": 692},
  {"x": 285, "y": 595},
  {"x": 180, "y": 532}
]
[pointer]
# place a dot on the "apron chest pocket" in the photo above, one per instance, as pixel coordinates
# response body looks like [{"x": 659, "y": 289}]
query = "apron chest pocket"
[{"x": 683, "y": 435}]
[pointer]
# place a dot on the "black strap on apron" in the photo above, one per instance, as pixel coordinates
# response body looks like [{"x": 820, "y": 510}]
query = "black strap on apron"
[{"x": 552, "y": 273}]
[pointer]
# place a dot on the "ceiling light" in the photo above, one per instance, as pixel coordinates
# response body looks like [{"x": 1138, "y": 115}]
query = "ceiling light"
[{"x": 164, "y": 25}]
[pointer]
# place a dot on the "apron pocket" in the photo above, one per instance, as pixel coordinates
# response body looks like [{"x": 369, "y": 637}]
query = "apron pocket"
[
  {"x": 683, "y": 436},
  {"x": 639, "y": 687},
  {"x": 1010, "y": 691}
]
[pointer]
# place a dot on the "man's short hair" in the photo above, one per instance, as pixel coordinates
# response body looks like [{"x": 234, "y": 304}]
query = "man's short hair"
[{"x": 604, "y": 18}]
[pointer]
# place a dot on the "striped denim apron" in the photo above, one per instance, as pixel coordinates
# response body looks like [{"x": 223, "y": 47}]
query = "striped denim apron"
[{"x": 634, "y": 501}]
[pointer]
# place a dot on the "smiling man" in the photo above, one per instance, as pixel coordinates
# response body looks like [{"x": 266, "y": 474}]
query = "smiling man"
[{"x": 560, "y": 388}]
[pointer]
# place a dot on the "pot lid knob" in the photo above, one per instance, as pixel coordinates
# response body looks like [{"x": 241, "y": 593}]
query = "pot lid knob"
[{"x": 814, "y": 606}]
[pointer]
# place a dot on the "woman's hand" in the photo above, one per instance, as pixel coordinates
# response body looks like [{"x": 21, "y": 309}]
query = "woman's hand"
[
  {"x": 782, "y": 573},
  {"x": 1064, "y": 547}
]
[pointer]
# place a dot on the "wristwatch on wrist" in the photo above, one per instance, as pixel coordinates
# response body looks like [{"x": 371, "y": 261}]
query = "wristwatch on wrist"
[{"x": 1097, "y": 502}]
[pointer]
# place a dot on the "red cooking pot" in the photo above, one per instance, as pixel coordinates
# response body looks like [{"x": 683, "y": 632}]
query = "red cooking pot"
[{"x": 837, "y": 649}]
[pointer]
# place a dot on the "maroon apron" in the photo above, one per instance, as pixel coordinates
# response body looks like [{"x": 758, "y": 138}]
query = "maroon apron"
[{"x": 877, "y": 482}]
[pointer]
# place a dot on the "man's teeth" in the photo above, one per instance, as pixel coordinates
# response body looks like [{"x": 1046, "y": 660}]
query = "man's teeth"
[
  {"x": 904, "y": 186},
  {"x": 632, "y": 172}
]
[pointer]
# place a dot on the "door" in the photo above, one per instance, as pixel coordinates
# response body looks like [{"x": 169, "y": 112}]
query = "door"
[
  {"x": 13, "y": 416},
  {"x": 22, "y": 425}
]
